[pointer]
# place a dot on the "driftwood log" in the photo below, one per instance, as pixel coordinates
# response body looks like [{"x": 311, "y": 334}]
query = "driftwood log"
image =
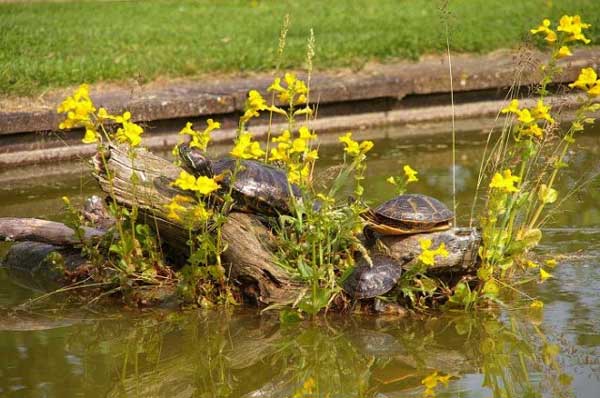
[{"x": 146, "y": 183}]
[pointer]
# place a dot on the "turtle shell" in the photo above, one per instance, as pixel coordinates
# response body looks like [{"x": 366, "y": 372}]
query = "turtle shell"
[
  {"x": 368, "y": 281},
  {"x": 258, "y": 186},
  {"x": 413, "y": 210}
]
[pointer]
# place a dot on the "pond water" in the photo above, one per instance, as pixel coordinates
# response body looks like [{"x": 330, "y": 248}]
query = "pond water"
[{"x": 514, "y": 352}]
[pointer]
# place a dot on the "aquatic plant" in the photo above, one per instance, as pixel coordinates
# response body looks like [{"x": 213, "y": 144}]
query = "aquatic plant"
[
  {"x": 523, "y": 166},
  {"x": 133, "y": 254}
]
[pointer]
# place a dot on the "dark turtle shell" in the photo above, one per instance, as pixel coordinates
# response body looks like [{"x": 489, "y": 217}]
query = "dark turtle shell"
[
  {"x": 368, "y": 281},
  {"x": 415, "y": 210},
  {"x": 258, "y": 186}
]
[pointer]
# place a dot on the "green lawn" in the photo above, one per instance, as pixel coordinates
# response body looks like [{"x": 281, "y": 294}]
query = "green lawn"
[{"x": 46, "y": 45}]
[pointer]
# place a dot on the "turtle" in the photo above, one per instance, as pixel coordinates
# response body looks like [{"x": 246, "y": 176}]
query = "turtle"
[
  {"x": 408, "y": 214},
  {"x": 371, "y": 280},
  {"x": 258, "y": 187}
]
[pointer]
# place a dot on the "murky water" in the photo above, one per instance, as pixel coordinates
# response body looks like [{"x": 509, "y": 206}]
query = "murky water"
[{"x": 242, "y": 353}]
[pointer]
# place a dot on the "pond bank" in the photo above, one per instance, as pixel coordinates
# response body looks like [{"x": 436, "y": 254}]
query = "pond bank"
[{"x": 382, "y": 94}]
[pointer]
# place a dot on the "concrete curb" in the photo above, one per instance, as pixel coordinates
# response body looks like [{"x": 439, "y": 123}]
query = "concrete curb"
[{"x": 357, "y": 91}]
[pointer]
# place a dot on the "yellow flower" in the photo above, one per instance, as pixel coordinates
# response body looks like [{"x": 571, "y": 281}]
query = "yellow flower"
[
  {"x": 245, "y": 148},
  {"x": 505, "y": 181},
  {"x": 295, "y": 92},
  {"x": 306, "y": 134},
  {"x": 563, "y": 52},
  {"x": 103, "y": 114},
  {"x": 586, "y": 80},
  {"x": 199, "y": 139},
  {"x": 532, "y": 130},
  {"x": 200, "y": 213},
  {"x": 203, "y": 185},
  {"x": 352, "y": 148},
  {"x": 513, "y": 107},
  {"x": 254, "y": 104},
  {"x": 297, "y": 175},
  {"x": 311, "y": 156},
  {"x": 525, "y": 116},
  {"x": 366, "y": 146},
  {"x": 78, "y": 109},
  {"x": 298, "y": 145},
  {"x": 573, "y": 26},
  {"x": 542, "y": 112},
  {"x": 391, "y": 180},
  {"x": 185, "y": 181},
  {"x": 212, "y": 125},
  {"x": 595, "y": 90},
  {"x": 410, "y": 173},
  {"x": 174, "y": 210},
  {"x": 256, "y": 151},
  {"x": 544, "y": 275},
  {"x": 545, "y": 28},
  {"x": 279, "y": 154},
  {"x": 286, "y": 136},
  {"x": 129, "y": 132},
  {"x": 427, "y": 255},
  {"x": 90, "y": 136}
]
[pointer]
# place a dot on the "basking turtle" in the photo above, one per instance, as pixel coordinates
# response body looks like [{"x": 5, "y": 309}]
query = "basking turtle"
[
  {"x": 409, "y": 214},
  {"x": 257, "y": 187},
  {"x": 368, "y": 281}
]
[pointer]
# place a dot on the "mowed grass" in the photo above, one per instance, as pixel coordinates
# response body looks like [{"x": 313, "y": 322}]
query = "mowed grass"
[{"x": 48, "y": 45}]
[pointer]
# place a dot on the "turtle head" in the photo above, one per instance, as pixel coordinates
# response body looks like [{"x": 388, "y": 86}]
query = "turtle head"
[{"x": 194, "y": 161}]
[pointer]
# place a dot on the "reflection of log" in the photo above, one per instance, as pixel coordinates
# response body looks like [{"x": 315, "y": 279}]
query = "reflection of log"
[
  {"x": 247, "y": 254},
  {"x": 40, "y": 266},
  {"x": 55, "y": 233}
]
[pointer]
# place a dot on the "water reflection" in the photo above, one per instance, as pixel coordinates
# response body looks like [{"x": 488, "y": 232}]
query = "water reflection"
[
  {"x": 243, "y": 354},
  {"x": 247, "y": 354}
]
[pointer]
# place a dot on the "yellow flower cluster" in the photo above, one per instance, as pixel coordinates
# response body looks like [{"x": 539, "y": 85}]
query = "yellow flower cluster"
[
  {"x": 202, "y": 185},
  {"x": 129, "y": 132},
  {"x": 529, "y": 118},
  {"x": 78, "y": 108},
  {"x": 246, "y": 148},
  {"x": 588, "y": 82},
  {"x": 295, "y": 153},
  {"x": 571, "y": 26},
  {"x": 256, "y": 103},
  {"x": 428, "y": 254},
  {"x": 295, "y": 91},
  {"x": 286, "y": 147},
  {"x": 410, "y": 175},
  {"x": 200, "y": 139},
  {"x": 354, "y": 148},
  {"x": 180, "y": 210},
  {"x": 505, "y": 181},
  {"x": 81, "y": 112}
]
